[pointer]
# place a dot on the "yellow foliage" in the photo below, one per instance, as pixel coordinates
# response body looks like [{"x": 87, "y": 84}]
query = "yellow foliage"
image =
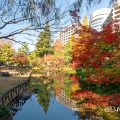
[
  {"x": 117, "y": 53},
  {"x": 75, "y": 87},
  {"x": 85, "y": 21}
]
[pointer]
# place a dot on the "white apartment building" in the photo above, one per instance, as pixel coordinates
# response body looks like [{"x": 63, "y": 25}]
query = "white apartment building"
[
  {"x": 116, "y": 14},
  {"x": 98, "y": 18},
  {"x": 66, "y": 32}
]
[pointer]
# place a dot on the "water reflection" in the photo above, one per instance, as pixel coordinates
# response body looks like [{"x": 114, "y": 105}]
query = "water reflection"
[
  {"x": 61, "y": 98},
  {"x": 91, "y": 99},
  {"x": 67, "y": 101},
  {"x": 18, "y": 102},
  {"x": 43, "y": 97}
]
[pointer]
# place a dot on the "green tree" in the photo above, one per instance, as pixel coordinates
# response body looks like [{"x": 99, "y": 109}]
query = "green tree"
[
  {"x": 68, "y": 57},
  {"x": 6, "y": 54},
  {"x": 33, "y": 60},
  {"x": 68, "y": 51},
  {"x": 44, "y": 98},
  {"x": 43, "y": 45},
  {"x": 24, "y": 49},
  {"x": 43, "y": 93}
]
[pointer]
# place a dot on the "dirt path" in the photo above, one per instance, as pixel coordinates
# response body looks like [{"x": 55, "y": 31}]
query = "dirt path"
[{"x": 7, "y": 83}]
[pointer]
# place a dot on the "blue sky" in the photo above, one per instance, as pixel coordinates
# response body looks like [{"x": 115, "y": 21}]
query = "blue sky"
[
  {"x": 84, "y": 10},
  {"x": 63, "y": 4}
]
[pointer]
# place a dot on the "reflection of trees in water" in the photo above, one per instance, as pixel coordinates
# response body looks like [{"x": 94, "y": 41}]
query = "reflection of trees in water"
[
  {"x": 23, "y": 70},
  {"x": 43, "y": 91},
  {"x": 94, "y": 96},
  {"x": 43, "y": 97},
  {"x": 88, "y": 116},
  {"x": 89, "y": 97},
  {"x": 62, "y": 82},
  {"x": 86, "y": 96},
  {"x": 82, "y": 116}
]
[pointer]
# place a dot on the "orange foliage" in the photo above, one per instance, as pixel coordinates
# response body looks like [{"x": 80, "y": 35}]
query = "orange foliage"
[{"x": 58, "y": 45}]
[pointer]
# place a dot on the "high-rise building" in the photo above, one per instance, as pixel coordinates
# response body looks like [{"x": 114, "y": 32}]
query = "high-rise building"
[
  {"x": 109, "y": 19},
  {"x": 98, "y": 18},
  {"x": 116, "y": 15},
  {"x": 67, "y": 32}
]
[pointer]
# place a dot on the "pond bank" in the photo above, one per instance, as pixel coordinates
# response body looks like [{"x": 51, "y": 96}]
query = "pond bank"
[
  {"x": 7, "y": 83},
  {"x": 14, "y": 92}
]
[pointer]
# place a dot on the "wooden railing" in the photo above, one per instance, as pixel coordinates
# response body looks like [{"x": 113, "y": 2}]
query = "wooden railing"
[{"x": 14, "y": 92}]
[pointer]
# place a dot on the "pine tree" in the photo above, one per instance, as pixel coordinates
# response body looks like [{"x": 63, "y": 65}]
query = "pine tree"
[{"x": 43, "y": 46}]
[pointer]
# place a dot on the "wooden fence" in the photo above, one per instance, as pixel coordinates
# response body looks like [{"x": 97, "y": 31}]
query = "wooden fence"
[{"x": 6, "y": 98}]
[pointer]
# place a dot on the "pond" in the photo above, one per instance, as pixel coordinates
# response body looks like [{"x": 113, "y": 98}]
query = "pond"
[
  {"x": 33, "y": 110},
  {"x": 55, "y": 99},
  {"x": 44, "y": 104}
]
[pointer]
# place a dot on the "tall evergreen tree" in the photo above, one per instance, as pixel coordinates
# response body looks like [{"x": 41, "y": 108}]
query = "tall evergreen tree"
[{"x": 43, "y": 46}]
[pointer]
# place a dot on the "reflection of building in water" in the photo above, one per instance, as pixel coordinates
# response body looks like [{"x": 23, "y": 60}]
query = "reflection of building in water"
[{"x": 66, "y": 101}]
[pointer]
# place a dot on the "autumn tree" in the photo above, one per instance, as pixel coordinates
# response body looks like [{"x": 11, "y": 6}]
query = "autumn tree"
[
  {"x": 20, "y": 59},
  {"x": 85, "y": 21},
  {"x": 58, "y": 51},
  {"x": 95, "y": 56},
  {"x": 58, "y": 55}
]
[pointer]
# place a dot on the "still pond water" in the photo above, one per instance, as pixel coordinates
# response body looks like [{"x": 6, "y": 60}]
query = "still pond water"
[
  {"x": 41, "y": 102},
  {"x": 32, "y": 110},
  {"x": 50, "y": 99}
]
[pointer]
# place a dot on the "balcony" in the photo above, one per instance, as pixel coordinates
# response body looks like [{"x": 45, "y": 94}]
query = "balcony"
[
  {"x": 116, "y": 7},
  {"x": 117, "y": 12},
  {"x": 117, "y": 16}
]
